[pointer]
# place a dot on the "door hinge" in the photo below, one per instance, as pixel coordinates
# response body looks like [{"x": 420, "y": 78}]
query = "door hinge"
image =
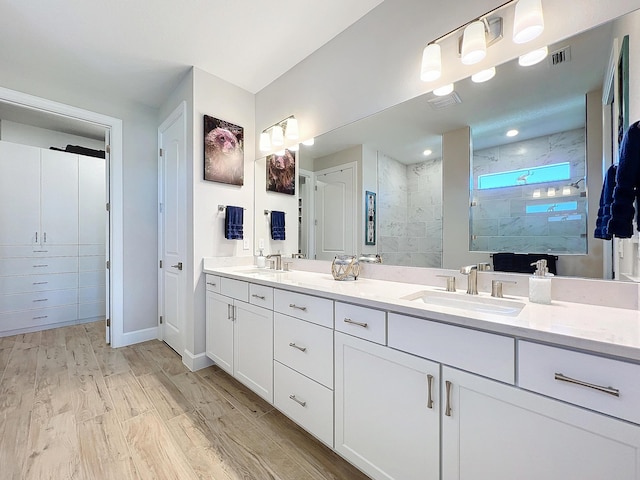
[
  {"x": 108, "y": 322},
  {"x": 315, "y": 188},
  {"x": 160, "y": 207},
  {"x": 160, "y": 319},
  {"x": 108, "y": 207},
  {"x": 315, "y": 222},
  {"x": 160, "y": 263},
  {"x": 108, "y": 264},
  {"x": 161, "y": 152},
  {"x": 108, "y": 148}
]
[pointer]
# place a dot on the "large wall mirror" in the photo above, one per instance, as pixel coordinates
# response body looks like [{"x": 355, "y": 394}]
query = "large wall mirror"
[{"x": 403, "y": 155}]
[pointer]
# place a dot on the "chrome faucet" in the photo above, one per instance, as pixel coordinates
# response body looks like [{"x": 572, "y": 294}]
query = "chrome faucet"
[
  {"x": 278, "y": 258},
  {"x": 472, "y": 281}
]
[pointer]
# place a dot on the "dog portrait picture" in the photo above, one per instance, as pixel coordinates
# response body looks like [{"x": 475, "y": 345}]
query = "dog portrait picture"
[
  {"x": 281, "y": 173},
  {"x": 223, "y": 151}
]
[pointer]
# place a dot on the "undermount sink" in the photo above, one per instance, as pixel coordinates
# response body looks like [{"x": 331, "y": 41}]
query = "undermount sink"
[{"x": 495, "y": 306}]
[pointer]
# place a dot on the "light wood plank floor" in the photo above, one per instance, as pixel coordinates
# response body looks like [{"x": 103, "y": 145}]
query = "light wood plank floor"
[{"x": 71, "y": 407}]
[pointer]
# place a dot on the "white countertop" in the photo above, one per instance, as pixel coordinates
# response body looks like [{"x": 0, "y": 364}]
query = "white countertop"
[{"x": 605, "y": 330}]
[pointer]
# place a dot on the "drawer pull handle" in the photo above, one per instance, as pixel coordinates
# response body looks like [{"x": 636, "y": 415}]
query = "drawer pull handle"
[
  {"x": 447, "y": 409},
  {"x": 430, "y": 391},
  {"x": 212, "y": 284},
  {"x": 302, "y": 349},
  {"x": 608, "y": 390},
  {"x": 353, "y": 322},
  {"x": 293, "y": 397},
  {"x": 41, "y": 317},
  {"x": 41, "y": 300},
  {"x": 293, "y": 305},
  {"x": 40, "y": 266},
  {"x": 40, "y": 251},
  {"x": 40, "y": 283},
  {"x": 261, "y": 297}
]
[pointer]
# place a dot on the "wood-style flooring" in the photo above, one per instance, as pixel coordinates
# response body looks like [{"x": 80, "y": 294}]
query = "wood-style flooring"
[{"x": 71, "y": 407}]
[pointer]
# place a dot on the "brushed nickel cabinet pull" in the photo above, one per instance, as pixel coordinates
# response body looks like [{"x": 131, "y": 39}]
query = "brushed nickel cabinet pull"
[
  {"x": 293, "y": 305},
  {"x": 293, "y": 397},
  {"x": 40, "y": 251},
  {"x": 41, "y": 317},
  {"x": 42, "y": 300},
  {"x": 40, "y": 266},
  {"x": 40, "y": 283},
  {"x": 302, "y": 349},
  {"x": 229, "y": 312},
  {"x": 212, "y": 284},
  {"x": 608, "y": 390},
  {"x": 353, "y": 322},
  {"x": 45, "y": 237},
  {"x": 261, "y": 297},
  {"x": 447, "y": 409},
  {"x": 430, "y": 391},
  {"x": 36, "y": 237}
]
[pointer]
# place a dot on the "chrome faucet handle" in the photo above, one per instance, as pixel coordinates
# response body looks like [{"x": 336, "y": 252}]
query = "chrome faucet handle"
[
  {"x": 496, "y": 287},
  {"x": 484, "y": 266},
  {"x": 286, "y": 265},
  {"x": 472, "y": 281},
  {"x": 272, "y": 264},
  {"x": 451, "y": 282},
  {"x": 467, "y": 269}
]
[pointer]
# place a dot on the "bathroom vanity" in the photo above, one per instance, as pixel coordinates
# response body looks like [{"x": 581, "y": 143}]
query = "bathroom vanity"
[{"x": 407, "y": 388}]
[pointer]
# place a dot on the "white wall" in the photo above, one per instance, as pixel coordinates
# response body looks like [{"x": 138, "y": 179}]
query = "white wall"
[{"x": 44, "y": 138}]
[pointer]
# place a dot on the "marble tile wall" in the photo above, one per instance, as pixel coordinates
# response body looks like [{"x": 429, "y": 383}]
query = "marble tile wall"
[
  {"x": 410, "y": 212},
  {"x": 499, "y": 222}
]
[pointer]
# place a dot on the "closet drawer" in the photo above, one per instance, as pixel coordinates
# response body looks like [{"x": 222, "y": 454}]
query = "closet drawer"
[
  {"x": 539, "y": 365},
  {"x": 37, "y": 283},
  {"x": 38, "y": 266},
  {"x": 212, "y": 283},
  {"x": 234, "y": 288},
  {"x": 38, "y": 251},
  {"x": 37, "y": 300},
  {"x": 304, "y": 347},
  {"x": 313, "y": 309},
  {"x": 479, "y": 352},
  {"x": 91, "y": 310},
  {"x": 37, "y": 318},
  {"x": 306, "y": 402},
  {"x": 362, "y": 322},
  {"x": 261, "y": 295}
]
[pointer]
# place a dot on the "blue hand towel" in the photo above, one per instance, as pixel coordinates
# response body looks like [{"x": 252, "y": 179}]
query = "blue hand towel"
[
  {"x": 606, "y": 198},
  {"x": 277, "y": 225},
  {"x": 233, "y": 221},
  {"x": 627, "y": 186}
]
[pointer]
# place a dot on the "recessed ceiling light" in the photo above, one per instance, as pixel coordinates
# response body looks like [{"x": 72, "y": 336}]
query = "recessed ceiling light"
[
  {"x": 427, "y": 152},
  {"x": 309, "y": 142},
  {"x": 442, "y": 91},
  {"x": 534, "y": 57},
  {"x": 484, "y": 75},
  {"x": 512, "y": 133}
]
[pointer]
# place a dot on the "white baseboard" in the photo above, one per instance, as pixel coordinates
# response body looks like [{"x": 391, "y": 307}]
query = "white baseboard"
[
  {"x": 196, "y": 362},
  {"x": 138, "y": 336}
]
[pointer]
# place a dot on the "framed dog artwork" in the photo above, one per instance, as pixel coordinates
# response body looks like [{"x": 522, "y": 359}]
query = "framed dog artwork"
[
  {"x": 223, "y": 151},
  {"x": 281, "y": 173}
]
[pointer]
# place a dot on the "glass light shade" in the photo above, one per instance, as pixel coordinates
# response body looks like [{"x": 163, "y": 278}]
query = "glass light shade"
[
  {"x": 277, "y": 136},
  {"x": 265, "y": 142},
  {"x": 484, "y": 75},
  {"x": 292, "y": 129},
  {"x": 474, "y": 43},
  {"x": 534, "y": 57},
  {"x": 528, "y": 22},
  {"x": 442, "y": 91},
  {"x": 566, "y": 190},
  {"x": 309, "y": 142},
  {"x": 431, "y": 63},
  {"x": 551, "y": 192},
  {"x": 536, "y": 193}
]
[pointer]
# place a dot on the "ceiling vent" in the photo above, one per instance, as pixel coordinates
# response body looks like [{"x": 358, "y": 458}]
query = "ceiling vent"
[
  {"x": 445, "y": 101},
  {"x": 560, "y": 56}
]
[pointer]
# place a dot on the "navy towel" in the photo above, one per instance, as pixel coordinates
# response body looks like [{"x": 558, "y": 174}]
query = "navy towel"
[
  {"x": 604, "y": 211},
  {"x": 521, "y": 262},
  {"x": 627, "y": 185},
  {"x": 277, "y": 225},
  {"x": 233, "y": 221}
]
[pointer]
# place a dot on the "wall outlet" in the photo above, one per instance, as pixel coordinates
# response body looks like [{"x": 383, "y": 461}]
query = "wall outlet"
[
  {"x": 245, "y": 243},
  {"x": 261, "y": 244}
]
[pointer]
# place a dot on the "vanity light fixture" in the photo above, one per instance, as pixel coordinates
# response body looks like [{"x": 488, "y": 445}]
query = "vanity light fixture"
[
  {"x": 474, "y": 43},
  {"x": 275, "y": 135},
  {"x": 512, "y": 133},
  {"x": 531, "y": 58},
  {"x": 484, "y": 75},
  {"x": 444, "y": 90},
  {"x": 431, "y": 63},
  {"x": 291, "y": 128},
  {"x": 528, "y": 21}
]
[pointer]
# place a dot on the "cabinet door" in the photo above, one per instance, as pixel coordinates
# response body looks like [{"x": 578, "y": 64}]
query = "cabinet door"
[
  {"x": 219, "y": 331},
  {"x": 385, "y": 423},
  {"x": 501, "y": 432},
  {"x": 253, "y": 348},
  {"x": 19, "y": 194},
  {"x": 59, "y": 202},
  {"x": 92, "y": 200}
]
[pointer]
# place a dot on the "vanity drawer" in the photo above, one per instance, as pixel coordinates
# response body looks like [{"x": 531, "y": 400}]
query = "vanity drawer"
[
  {"x": 479, "y": 352},
  {"x": 213, "y": 283},
  {"x": 235, "y": 289},
  {"x": 539, "y": 365},
  {"x": 261, "y": 295},
  {"x": 313, "y": 309},
  {"x": 362, "y": 322},
  {"x": 305, "y": 347},
  {"x": 306, "y": 402}
]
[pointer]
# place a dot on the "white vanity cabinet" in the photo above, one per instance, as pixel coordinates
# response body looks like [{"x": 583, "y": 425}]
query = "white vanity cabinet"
[
  {"x": 492, "y": 430},
  {"x": 387, "y": 410},
  {"x": 239, "y": 335}
]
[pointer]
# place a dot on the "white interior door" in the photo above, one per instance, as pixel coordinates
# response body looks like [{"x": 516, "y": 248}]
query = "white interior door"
[
  {"x": 335, "y": 212},
  {"x": 172, "y": 228}
]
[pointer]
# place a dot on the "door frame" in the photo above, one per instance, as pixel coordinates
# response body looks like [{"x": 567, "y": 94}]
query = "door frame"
[
  {"x": 115, "y": 289},
  {"x": 181, "y": 109}
]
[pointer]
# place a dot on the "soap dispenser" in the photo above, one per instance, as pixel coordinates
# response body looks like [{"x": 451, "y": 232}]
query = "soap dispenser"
[
  {"x": 540, "y": 283},
  {"x": 261, "y": 261}
]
